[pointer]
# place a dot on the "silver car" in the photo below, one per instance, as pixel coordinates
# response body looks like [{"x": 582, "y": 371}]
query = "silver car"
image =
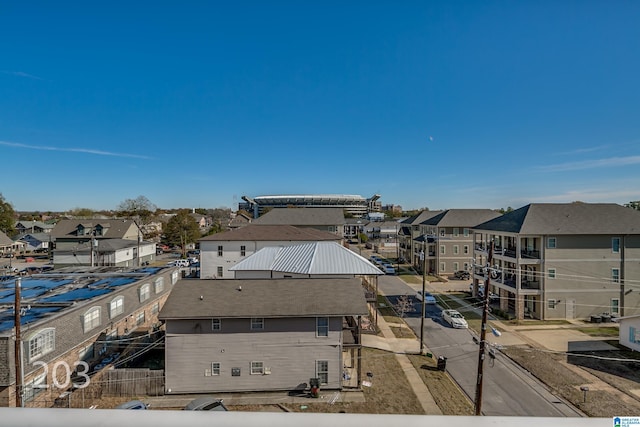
[{"x": 454, "y": 318}]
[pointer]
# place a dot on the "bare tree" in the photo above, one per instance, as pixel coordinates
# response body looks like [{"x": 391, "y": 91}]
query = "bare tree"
[{"x": 403, "y": 306}]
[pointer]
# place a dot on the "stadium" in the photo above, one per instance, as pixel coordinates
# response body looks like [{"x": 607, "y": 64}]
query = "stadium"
[{"x": 356, "y": 205}]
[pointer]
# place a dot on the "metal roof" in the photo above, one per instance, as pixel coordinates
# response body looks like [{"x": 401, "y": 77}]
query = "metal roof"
[{"x": 315, "y": 258}]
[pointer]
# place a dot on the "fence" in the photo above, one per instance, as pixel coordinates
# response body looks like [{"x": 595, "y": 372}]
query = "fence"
[{"x": 133, "y": 382}]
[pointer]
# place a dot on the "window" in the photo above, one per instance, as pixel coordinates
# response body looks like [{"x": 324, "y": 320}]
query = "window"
[
  {"x": 455, "y": 266},
  {"x": 551, "y": 242},
  {"x": 551, "y": 303},
  {"x": 456, "y": 232},
  {"x": 219, "y": 250},
  {"x": 615, "y": 305},
  {"x": 91, "y": 319},
  {"x": 442, "y": 232},
  {"x": 215, "y": 368},
  {"x": 442, "y": 250},
  {"x": 155, "y": 308},
  {"x": 139, "y": 318},
  {"x": 243, "y": 250},
  {"x": 37, "y": 385},
  {"x": 465, "y": 232},
  {"x": 42, "y": 343},
  {"x": 257, "y": 368},
  {"x": 322, "y": 371},
  {"x": 257, "y": 323},
  {"x": 322, "y": 326},
  {"x": 465, "y": 249},
  {"x": 98, "y": 230},
  {"x": 615, "y": 275},
  {"x": 634, "y": 335},
  {"x": 551, "y": 273},
  {"x": 145, "y": 292},
  {"x": 116, "y": 307},
  {"x": 216, "y": 324},
  {"x": 466, "y": 266},
  {"x": 81, "y": 230},
  {"x": 159, "y": 285},
  {"x": 456, "y": 250},
  {"x": 174, "y": 277},
  {"x": 220, "y": 271},
  {"x": 443, "y": 267},
  {"x": 615, "y": 245}
]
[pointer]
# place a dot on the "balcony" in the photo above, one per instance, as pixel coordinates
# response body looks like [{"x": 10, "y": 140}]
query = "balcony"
[{"x": 530, "y": 254}]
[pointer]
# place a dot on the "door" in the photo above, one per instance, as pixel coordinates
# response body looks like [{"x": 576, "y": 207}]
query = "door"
[{"x": 571, "y": 304}]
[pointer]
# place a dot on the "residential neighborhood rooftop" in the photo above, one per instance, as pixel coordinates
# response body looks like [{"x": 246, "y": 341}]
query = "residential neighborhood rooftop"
[
  {"x": 302, "y": 216},
  {"x": 206, "y": 299},
  {"x": 271, "y": 232}
]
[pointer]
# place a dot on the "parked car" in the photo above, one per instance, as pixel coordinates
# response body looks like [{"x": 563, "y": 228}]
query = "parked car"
[
  {"x": 428, "y": 298},
  {"x": 388, "y": 269},
  {"x": 462, "y": 275},
  {"x": 454, "y": 318},
  {"x": 207, "y": 403},
  {"x": 133, "y": 404}
]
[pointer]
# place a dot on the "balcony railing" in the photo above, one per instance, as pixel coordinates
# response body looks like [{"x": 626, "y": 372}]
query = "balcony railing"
[{"x": 531, "y": 254}]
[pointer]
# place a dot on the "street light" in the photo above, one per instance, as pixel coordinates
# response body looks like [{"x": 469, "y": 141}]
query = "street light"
[{"x": 423, "y": 258}]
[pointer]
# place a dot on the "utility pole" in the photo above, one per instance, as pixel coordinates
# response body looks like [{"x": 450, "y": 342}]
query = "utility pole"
[
  {"x": 483, "y": 333},
  {"x": 423, "y": 255},
  {"x": 18, "y": 344}
]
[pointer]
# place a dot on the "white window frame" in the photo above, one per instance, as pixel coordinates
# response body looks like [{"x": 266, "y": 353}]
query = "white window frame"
[
  {"x": 615, "y": 306},
  {"x": 41, "y": 343},
  {"x": 36, "y": 386},
  {"x": 155, "y": 308},
  {"x": 145, "y": 292},
  {"x": 465, "y": 232},
  {"x": 91, "y": 319},
  {"x": 220, "y": 271},
  {"x": 257, "y": 368},
  {"x": 216, "y": 324},
  {"x": 466, "y": 266},
  {"x": 443, "y": 250},
  {"x": 615, "y": 247},
  {"x": 456, "y": 249},
  {"x": 551, "y": 273},
  {"x": 216, "y": 367},
  {"x": 220, "y": 250},
  {"x": 174, "y": 277},
  {"x": 443, "y": 267},
  {"x": 158, "y": 285},
  {"x": 243, "y": 250},
  {"x": 257, "y": 323},
  {"x": 552, "y": 303},
  {"x": 116, "y": 307},
  {"x": 465, "y": 250},
  {"x": 456, "y": 266},
  {"x": 322, "y": 330},
  {"x": 615, "y": 275},
  {"x": 551, "y": 245},
  {"x": 456, "y": 231},
  {"x": 140, "y": 318},
  {"x": 322, "y": 372},
  {"x": 443, "y": 232}
]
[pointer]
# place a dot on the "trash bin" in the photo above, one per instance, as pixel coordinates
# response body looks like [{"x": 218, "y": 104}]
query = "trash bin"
[
  {"x": 606, "y": 318},
  {"x": 596, "y": 319},
  {"x": 442, "y": 363},
  {"x": 314, "y": 383}
]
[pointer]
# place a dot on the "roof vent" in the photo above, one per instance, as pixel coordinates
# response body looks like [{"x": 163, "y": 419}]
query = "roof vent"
[
  {"x": 240, "y": 288},
  {"x": 201, "y": 297}
]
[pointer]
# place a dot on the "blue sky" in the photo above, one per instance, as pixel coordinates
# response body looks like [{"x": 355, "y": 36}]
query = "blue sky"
[{"x": 449, "y": 104}]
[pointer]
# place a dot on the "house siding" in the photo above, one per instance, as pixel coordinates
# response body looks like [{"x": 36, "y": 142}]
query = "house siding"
[{"x": 288, "y": 346}]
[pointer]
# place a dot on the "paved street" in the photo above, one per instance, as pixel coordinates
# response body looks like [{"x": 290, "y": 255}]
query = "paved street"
[{"x": 508, "y": 390}]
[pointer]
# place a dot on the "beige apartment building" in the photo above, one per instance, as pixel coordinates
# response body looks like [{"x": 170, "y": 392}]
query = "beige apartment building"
[{"x": 562, "y": 261}]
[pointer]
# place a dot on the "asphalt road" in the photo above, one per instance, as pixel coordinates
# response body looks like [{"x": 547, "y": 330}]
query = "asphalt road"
[{"x": 508, "y": 390}]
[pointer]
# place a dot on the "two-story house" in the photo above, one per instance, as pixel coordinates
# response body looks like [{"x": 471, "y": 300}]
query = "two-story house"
[
  {"x": 100, "y": 242},
  {"x": 220, "y": 251},
  {"x": 562, "y": 261},
  {"x": 262, "y": 335},
  {"x": 410, "y": 237}
]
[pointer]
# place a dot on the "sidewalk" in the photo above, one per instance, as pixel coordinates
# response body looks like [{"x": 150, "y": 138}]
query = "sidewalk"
[{"x": 402, "y": 346}]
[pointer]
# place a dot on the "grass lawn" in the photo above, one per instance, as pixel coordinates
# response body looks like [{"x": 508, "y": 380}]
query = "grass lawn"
[
  {"x": 402, "y": 332},
  {"x": 601, "y": 331}
]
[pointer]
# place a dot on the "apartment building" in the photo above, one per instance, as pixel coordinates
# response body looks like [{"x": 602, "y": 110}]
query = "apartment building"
[{"x": 562, "y": 261}]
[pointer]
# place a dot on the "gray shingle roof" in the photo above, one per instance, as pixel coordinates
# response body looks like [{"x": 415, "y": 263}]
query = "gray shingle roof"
[
  {"x": 113, "y": 228},
  {"x": 302, "y": 216},
  {"x": 462, "y": 217},
  {"x": 421, "y": 217},
  {"x": 309, "y": 258},
  {"x": 5, "y": 240},
  {"x": 198, "y": 299},
  {"x": 253, "y": 232},
  {"x": 567, "y": 218}
]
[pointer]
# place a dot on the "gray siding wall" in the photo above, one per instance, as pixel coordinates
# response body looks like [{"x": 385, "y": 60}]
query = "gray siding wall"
[
  {"x": 583, "y": 267},
  {"x": 288, "y": 347}
]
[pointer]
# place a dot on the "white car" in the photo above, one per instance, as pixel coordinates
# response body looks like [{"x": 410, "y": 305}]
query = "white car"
[
  {"x": 454, "y": 318},
  {"x": 428, "y": 298}
]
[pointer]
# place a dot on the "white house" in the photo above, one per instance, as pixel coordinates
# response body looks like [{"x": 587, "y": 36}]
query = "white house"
[
  {"x": 220, "y": 251},
  {"x": 630, "y": 332}
]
